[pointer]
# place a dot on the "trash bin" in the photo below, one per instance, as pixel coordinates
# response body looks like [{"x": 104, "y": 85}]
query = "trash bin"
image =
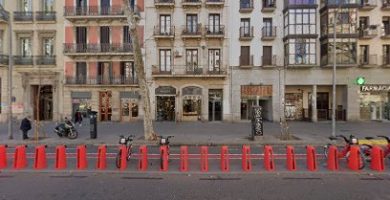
[
  {"x": 257, "y": 121},
  {"x": 93, "y": 124}
]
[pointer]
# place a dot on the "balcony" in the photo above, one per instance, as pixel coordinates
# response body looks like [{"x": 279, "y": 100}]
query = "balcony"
[
  {"x": 190, "y": 71},
  {"x": 246, "y": 33},
  {"x": 246, "y": 61},
  {"x": 194, "y": 31},
  {"x": 45, "y": 16},
  {"x": 300, "y": 3},
  {"x": 268, "y": 61},
  {"x": 367, "y": 4},
  {"x": 368, "y": 32},
  {"x": 368, "y": 60},
  {"x": 215, "y": 3},
  {"x": 4, "y": 16},
  {"x": 268, "y": 6},
  {"x": 101, "y": 80},
  {"x": 164, "y": 32},
  {"x": 23, "y": 16},
  {"x": 343, "y": 3},
  {"x": 386, "y": 32},
  {"x": 45, "y": 60},
  {"x": 93, "y": 12},
  {"x": 386, "y": 61},
  {"x": 385, "y": 4},
  {"x": 23, "y": 60},
  {"x": 246, "y": 7},
  {"x": 4, "y": 59},
  {"x": 341, "y": 61},
  {"x": 72, "y": 49},
  {"x": 164, "y": 3},
  {"x": 215, "y": 31},
  {"x": 268, "y": 33},
  {"x": 191, "y": 3}
]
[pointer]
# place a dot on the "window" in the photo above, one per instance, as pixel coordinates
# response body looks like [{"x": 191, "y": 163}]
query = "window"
[
  {"x": 81, "y": 72},
  {"x": 386, "y": 25},
  {"x": 246, "y": 4},
  {"x": 345, "y": 51},
  {"x": 25, "y": 6},
  {"x": 301, "y": 2},
  {"x": 245, "y": 29},
  {"x": 214, "y": 23},
  {"x": 48, "y": 5},
  {"x": 364, "y": 54},
  {"x": 268, "y": 3},
  {"x": 214, "y": 59},
  {"x": 192, "y": 24},
  {"x": 126, "y": 35},
  {"x": 301, "y": 51},
  {"x": 300, "y": 21},
  {"x": 165, "y": 60},
  {"x": 165, "y": 24},
  {"x": 191, "y": 107},
  {"x": 1, "y": 42},
  {"x": 128, "y": 73},
  {"x": 267, "y": 27},
  {"x": 25, "y": 47},
  {"x": 192, "y": 60},
  {"x": 105, "y": 38},
  {"x": 48, "y": 49},
  {"x": 346, "y": 22},
  {"x": 386, "y": 54}
]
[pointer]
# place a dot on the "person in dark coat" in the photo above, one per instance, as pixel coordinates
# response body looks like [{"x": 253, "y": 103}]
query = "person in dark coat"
[
  {"x": 78, "y": 118},
  {"x": 25, "y": 126}
]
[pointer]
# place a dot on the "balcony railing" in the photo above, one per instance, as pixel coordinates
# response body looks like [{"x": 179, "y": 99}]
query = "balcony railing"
[
  {"x": 93, "y": 11},
  {"x": 337, "y": 3},
  {"x": 188, "y": 3},
  {"x": 102, "y": 80},
  {"x": 386, "y": 32},
  {"x": 340, "y": 60},
  {"x": 215, "y": 2},
  {"x": 23, "y": 16},
  {"x": 45, "y": 60},
  {"x": 386, "y": 4},
  {"x": 246, "y": 33},
  {"x": 368, "y": 4},
  {"x": 45, "y": 16},
  {"x": 189, "y": 71},
  {"x": 23, "y": 60},
  {"x": 386, "y": 60},
  {"x": 4, "y": 59},
  {"x": 268, "y": 60},
  {"x": 268, "y": 5},
  {"x": 215, "y": 30},
  {"x": 367, "y": 33},
  {"x": 268, "y": 32},
  {"x": 368, "y": 60},
  {"x": 246, "y": 61},
  {"x": 4, "y": 16},
  {"x": 162, "y": 3},
  {"x": 246, "y": 6},
  {"x": 194, "y": 30},
  {"x": 300, "y": 3},
  {"x": 97, "y": 48},
  {"x": 164, "y": 31}
]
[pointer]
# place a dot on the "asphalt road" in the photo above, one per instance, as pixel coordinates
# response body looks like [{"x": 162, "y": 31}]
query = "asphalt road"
[{"x": 289, "y": 186}]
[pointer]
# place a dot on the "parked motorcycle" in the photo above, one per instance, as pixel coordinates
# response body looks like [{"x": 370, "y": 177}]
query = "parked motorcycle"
[{"x": 66, "y": 130}]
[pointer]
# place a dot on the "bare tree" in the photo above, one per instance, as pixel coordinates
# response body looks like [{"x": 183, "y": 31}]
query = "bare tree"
[{"x": 132, "y": 20}]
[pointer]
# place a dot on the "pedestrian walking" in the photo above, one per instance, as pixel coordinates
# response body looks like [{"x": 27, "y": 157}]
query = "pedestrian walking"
[
  {"x": 78, "y": 117},
  {"x": 25, "y": 126}
]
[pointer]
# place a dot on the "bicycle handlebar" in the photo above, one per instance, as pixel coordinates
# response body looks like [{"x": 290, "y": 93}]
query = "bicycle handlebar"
[{"x": 345, "y": 138}]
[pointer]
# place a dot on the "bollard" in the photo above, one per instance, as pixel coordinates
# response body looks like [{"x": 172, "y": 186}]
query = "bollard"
[
  {"x": 82, "y": 157},
  {"x": 60, "y": 157},
  {"x": 291, "y": 162},
  {"x": 224, "y": 159},
  {"x": 40, "y": 157},
  {"x": 354, "y": 158},
  {"x": 143, "y": 158},
  {"x": 333, "y": 159},
  {"x": 246, "y": 158},
  {"x": 164, "y": 158},
  {"x": 101, "y": 160},
  {"x": 122, "y": 157},
  {"x": 269, "y": 164},
  {"x": 3, "y": 156},
  {"x": 311, "y": 158},
  {"x": 204, "y": 159},
  {"x": 183, "y": 158},
  {"x": 20, "y": 160},
  {"x": 377, "y": 159}
]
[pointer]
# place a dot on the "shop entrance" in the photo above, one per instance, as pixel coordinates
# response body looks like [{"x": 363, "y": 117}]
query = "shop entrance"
[
  {"x": 105, "y": 108},
  {"x": 215, "y": 105},
  {"x": 45, "y": 108},
  {"x": 323, "y": 105},
  {"x": 165, "y": 108}
]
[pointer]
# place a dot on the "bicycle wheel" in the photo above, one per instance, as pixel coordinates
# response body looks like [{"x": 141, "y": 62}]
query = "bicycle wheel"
[{"x": 118, "y": 159}]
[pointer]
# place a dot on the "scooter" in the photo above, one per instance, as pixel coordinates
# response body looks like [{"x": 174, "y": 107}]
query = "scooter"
[{"x": 66, "y": 130}]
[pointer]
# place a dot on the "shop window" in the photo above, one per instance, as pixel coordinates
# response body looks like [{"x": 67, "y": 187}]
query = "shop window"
[
  {"x": 83, "y": 106},
  {"x": 129, "y": 108},
  {"x": 191, "y": 107}
]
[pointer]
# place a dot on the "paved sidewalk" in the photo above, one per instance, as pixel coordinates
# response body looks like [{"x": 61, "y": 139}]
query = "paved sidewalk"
[{"x": 203, "y": 133}]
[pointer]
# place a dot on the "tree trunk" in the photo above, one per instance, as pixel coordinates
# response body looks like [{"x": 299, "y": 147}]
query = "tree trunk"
[{"x": 132, "y": 21}]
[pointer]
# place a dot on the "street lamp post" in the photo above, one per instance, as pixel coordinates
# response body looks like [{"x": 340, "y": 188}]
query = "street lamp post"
[
  {"x": 334, "y": 72},
  {"x": 7, "y": 14}
]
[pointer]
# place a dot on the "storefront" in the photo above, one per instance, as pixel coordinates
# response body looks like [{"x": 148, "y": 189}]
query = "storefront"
[
  {"x": 165, "y": 103},
  {"x": 81, "y": 101},
  {"x": 374, "y": 102},
  {"x": 129, "y": 108},
  {"x": 256, "y": 95},
  {"x": 192, "y": 103}
]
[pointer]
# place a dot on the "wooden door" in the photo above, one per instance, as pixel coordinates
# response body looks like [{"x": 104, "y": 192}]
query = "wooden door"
[{"x": 105, "y": 108}]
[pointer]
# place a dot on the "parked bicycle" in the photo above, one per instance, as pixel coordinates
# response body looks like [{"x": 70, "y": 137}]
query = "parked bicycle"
[
  {"x": 128, "y": 141},
  {"x": 345, "y": 152},
  {"x": 164, "y": 141},
  {"x": 386, "y": 149}
]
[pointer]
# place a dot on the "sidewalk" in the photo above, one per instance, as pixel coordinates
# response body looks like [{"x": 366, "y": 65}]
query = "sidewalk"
[{"x": 202, "y": 133}]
